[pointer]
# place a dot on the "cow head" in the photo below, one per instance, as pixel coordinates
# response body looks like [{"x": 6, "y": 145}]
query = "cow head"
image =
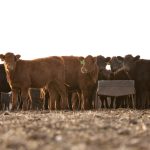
[
  {"x": 129, "y": 62},
  {"x": 9, "y": 60},
  {"x": 88, "y": 64},
  {"x": 116, "y": 63},
  {"x": 102, "y": 62}
]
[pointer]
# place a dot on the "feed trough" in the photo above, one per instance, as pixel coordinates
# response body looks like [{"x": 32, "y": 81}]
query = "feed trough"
[{"x": 115, "y": 88}]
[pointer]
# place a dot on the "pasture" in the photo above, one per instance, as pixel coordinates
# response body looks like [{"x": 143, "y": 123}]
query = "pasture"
[{"x": 118, "y": 129}]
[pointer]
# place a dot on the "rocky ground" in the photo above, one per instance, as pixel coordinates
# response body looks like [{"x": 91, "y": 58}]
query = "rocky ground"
[{"x": 121, "y": 129}]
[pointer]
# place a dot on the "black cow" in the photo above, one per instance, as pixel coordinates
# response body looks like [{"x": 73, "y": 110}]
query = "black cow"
[
  {"x": 139, "y": 70},
  {"x": 4, "y": 86},
  {"x": 103, "y": 74},
  {"x": 116, "y": 62}
]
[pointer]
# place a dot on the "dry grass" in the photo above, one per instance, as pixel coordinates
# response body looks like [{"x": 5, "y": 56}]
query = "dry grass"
[{"x": 121, "y": 129}]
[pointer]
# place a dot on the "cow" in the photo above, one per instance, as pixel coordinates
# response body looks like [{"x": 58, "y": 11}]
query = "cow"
[
  {"x": 139, "y": 70},
  {"x": 37, "y": 73},
  {"x": 4, "y": 85},
  {"x": 116, "y": 64},
  {"x": 78, "y": 82},
  {"x": 103, "y": 74},
  {"x": 89, "y": 80},
  {"x": 72, "y": 76}
]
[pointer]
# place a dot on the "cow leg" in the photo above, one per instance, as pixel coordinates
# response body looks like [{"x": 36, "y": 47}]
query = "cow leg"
[
  {"x": 63, "y": 93},
  {"x": 138, "y": 98},
  {"x": 64, "y": 99},
  {"x": 46, "y": 100},
  {"x": 86, "y": 103},
  {"x": 54, "y": 98},
  {"x": 112, "y": 102},
  {"x": 24, "y": 97},
  {"x": 91, "y": 102},
  {"x": 70, "y": 100},
  {"x": 58, "y": 99},
  {"x": 74, "y": 100},
  {"x": 29, "y": 103},
  {"x": 125, "y": 101},
  {"x": 96, "y": 101},
  {"x": 52, "y": 102},
  {"x": 5, "y": 106},
  {"x": 80, "y": 100},
  {"x": 19, "y": 101},
  {"x": 106, "y": 102},
  {"x": 122, "y": 102},
  {"x": 102, "y": 101},
  {"x": 117, "y": 102},
  {"x": 0, "y": 102},
  {"x": 14, "y": 99}
]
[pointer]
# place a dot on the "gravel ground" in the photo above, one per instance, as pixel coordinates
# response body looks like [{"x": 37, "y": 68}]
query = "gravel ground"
[{"x": 121, "y": 129}]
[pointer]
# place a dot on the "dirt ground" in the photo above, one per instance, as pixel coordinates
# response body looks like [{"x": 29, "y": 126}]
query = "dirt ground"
[{"x": 121, "y": 129}]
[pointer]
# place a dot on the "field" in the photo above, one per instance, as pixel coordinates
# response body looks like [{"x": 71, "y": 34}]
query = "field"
[{"x": 121, "y": 129}]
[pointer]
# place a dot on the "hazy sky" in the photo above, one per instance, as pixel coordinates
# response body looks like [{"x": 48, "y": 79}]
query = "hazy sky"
[{"x": 39, "y": 28}]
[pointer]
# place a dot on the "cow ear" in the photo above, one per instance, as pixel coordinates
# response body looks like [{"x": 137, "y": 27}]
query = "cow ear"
[
  {"x": 2, "y": 57},
  {"x": 136, "y": 58},
  {"x": 107, "y": 59},
  {"x": 120, "y": 58},
  {"x": 17, "y": 57}
]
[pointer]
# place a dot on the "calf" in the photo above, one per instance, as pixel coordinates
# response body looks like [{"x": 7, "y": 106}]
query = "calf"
[{"x": 89, "y": 80}]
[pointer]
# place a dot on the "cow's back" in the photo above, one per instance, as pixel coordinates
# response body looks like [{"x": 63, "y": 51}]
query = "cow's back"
[{"x": 39, "y": 72}]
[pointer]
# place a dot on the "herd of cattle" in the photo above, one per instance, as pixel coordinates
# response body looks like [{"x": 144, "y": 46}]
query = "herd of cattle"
[{"x": 69, "y": 82}]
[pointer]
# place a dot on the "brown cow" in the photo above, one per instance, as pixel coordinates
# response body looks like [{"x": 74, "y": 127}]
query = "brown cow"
[
  {"x": 73, "y": 76},
  {"x": 38, "y": 73},
  {"x": 78, "y": 82},
  {"x": 89, "y": 80}
]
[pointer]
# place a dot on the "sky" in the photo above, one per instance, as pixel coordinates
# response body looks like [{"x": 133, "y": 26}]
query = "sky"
[{"x": 41, "y": 28}]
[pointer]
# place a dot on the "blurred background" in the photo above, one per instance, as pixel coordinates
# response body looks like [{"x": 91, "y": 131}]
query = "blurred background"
[{"x": 40, "y": 28}]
